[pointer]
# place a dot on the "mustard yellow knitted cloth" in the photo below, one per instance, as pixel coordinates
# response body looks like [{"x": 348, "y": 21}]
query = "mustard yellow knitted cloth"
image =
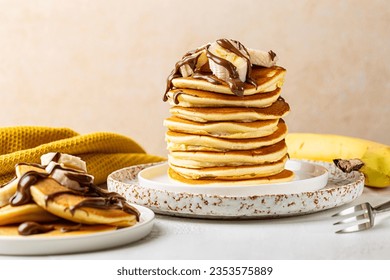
[{"x": 104, "y": 152}]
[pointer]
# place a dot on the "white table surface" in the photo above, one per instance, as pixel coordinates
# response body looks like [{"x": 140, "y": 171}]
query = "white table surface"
[{"x": 303, "y": 237}]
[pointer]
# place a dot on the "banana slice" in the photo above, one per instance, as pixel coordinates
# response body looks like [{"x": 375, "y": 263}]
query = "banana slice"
[
  {"x": 65, "y": 160},
  {"x": 64, "y": 168},
  {"x": 222, "y": 69},
  {"x": 68, "y": 176},
  {"x": 202, "y": 58},
  {"x": 193, "y": 61},
  {"x": 262, "y": 58},
  {"x": 186, "y": 70}
]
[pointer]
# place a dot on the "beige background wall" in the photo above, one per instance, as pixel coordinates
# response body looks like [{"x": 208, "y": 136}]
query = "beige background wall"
[{"x": 101, "y": 65}]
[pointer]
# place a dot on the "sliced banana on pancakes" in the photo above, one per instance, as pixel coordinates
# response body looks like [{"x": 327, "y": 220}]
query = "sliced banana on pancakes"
[{"x": 60, "y": 189}]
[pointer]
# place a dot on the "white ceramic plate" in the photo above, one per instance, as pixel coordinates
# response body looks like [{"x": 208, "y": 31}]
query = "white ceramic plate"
[
  {"x": 308, "y": 176},
  {"x": 340, "y": 189},
  {"x": 35, "y": 245}
]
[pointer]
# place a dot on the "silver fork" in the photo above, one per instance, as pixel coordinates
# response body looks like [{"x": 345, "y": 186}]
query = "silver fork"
[{"x": 359, "y": 217}]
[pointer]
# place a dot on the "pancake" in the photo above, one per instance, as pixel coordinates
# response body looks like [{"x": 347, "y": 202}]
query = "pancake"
[
  {"x": 177, "y": 141},
  {"x": 71, "y": 206},
  {"x": 230, "y": 158},
  {"x": 28, "y": 212},
  {"x": 277, "y": 110},
  {"x": 235, "y": 130},
  {"x": 232, "y": 172},
  {"x": 7, "y": 190},
  {"x": 267, "y": 79},
  {"x": 199, "y": 98},
  {"x": 62, "y": 228},
  {"x": 284, "y": 176}
]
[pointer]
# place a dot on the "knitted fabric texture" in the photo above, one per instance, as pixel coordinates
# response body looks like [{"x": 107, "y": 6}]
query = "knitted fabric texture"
[{"x": 103, "y": 152}]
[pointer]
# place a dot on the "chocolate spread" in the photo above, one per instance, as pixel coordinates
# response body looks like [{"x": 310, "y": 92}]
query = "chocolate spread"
[{"x": 29, "y": 228}]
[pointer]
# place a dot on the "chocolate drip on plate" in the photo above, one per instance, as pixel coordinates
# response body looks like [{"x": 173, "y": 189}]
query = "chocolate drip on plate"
[{"x": 29, "y": 228}]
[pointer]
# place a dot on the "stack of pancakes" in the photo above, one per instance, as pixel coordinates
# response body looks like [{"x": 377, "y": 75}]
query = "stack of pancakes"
[{"x": 217, "y": 137}]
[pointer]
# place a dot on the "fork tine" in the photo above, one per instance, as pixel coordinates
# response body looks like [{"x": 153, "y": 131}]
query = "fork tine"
[
  {"x": 349, "y": 210},
  {"x": 355, "y": 228},
  {"x": 362, "y": 217}
]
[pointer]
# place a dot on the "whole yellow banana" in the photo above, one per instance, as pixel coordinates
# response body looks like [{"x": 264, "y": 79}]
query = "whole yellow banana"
[{"x": 326, "y": 147}]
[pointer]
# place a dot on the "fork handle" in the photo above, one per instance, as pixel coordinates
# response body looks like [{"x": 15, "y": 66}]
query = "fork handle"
[{"x": 383, "y": 207}]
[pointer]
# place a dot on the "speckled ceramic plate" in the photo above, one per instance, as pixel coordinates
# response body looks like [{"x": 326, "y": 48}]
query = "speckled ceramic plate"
[{"x": 341, "y": 188}]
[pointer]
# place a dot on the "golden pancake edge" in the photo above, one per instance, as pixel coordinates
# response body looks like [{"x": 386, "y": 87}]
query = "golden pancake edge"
[
  {"x": 227, "y": 129},
  {"x": 267, "y": 79}
]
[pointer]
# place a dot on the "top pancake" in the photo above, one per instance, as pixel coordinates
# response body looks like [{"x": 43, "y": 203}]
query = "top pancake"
[{"x": 267, "y": 79}]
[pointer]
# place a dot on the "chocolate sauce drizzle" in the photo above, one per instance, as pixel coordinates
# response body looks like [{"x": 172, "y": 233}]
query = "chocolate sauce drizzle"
[
  {"x": 190, "y": 59},
  {"x": 93, "y": 196},
  {"x": 224, "y": 43},
  {"x": 23, "y": 195},
  {"x": 234, "y": 83},
  {"x": 207, "y": 77},
  {"x": 29, "y": 228}
]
